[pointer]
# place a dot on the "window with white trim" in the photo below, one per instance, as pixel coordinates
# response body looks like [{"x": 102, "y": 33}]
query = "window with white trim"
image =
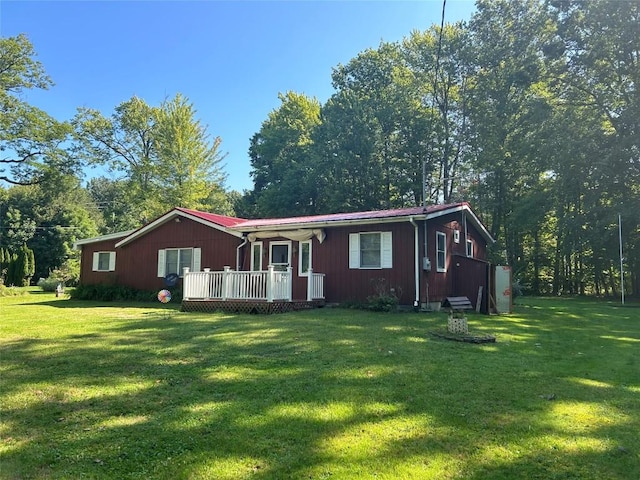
[
  {"x": 175, "y": 260},
  {"x": 469, "y": 248},
  {"x": 441, "y": 252},
  {"x": 280, "y": 255},
  {"x": 256, "y": 256},
  {"x": 304, "y": 258},
  {"x": 104, "y": 261},
  {"x": 370, "y": 250}
]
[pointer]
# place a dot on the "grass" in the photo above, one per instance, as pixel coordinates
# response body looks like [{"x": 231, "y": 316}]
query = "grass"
[{"x": 91, "y": 390}]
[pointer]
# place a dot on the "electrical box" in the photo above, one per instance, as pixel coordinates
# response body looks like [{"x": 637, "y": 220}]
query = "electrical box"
[{"x": 426, "y": 264}]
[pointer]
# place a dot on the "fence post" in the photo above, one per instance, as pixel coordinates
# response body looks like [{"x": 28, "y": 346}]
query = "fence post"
[
  {"x": 270, "y": 282},
  {"x": 310, "y": 285},
  {"x": 225, "y": 282}
]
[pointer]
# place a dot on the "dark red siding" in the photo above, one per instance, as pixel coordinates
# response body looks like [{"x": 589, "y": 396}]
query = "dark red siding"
[
  {"x": 463, "y": 276},
  {"x": 137, "y": 262},
  {"x": 89, "y": 277}
]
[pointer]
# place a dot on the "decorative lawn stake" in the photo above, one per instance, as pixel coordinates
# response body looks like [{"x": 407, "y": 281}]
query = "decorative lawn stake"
[{"x": 164, "y": 296}]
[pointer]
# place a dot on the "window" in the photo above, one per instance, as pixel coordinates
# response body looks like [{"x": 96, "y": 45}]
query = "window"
[
  {"x": 370, "y": 250},
  {"x": 304, "y": 258},
  {"x": 175, "y": 260},
  {"x": 441, "y": 252},
  {"x": 280, "y": 255},
  {"x": 104, "y": 261},
  {"x": 256, "y": 256},
  {"x": 469, "y": 248}
]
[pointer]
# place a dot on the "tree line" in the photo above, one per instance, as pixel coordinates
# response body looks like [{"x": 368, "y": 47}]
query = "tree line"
[{"x": 530, "y": 111}]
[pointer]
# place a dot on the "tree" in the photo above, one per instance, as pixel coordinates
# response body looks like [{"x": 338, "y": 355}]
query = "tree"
[
  {"x": 375, "y": 100},
  {"x": 509, "y": 105},
  {"x": 19, "y": 229},
  {"x": 283, "y": 170},
  {"x": 163, "y": 156},
  {"x": 112, "y": 199},
  {"x": 124, "y": 143},
  {"x": 594, "y": 59},
  {"x": 188, "y": 165},
  {"x": 58, "y": 215},
  {"x": 441, "y": 73},
  {"x": 31, "y": 141}
]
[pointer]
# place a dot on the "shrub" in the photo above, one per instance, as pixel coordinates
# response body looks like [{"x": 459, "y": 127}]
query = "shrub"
[
  {"x": 118, "y": 293},
  {"x": 11, "y": 291},
  {"x": 383, "y": 303},
  {"x": 48, "y": 284}
]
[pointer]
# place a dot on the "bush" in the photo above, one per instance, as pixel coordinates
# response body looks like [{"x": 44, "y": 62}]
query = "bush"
[
  {"x": 48, "y": 284},
  {"x": 383, "y": 303},
  {"x": 386, "y": 299},
  {"x": 118, "y": 293},
  {"x": 11, "y": 291}
]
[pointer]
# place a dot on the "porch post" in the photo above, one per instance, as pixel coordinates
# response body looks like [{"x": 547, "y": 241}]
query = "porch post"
[
  {"x": 270, "y": 282},
  {"x": 186, "y": 283},
  {"x": 207, "y": 283},
  {"x": 290, "y": 283},
  {"x": 310, "y": 285},
  {"x": 225, "y": 282}
]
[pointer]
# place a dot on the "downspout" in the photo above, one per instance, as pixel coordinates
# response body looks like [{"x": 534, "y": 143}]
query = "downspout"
[
  {"x": 246, "y": 240},
  {"x": 416, "y": 250}
]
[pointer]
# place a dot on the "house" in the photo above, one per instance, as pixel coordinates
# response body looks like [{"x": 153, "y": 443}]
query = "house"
[{"x": 421, "y": 254}]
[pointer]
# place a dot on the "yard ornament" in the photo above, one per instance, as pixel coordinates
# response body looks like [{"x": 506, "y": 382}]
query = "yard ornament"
[{"x": 164, "y": 296}]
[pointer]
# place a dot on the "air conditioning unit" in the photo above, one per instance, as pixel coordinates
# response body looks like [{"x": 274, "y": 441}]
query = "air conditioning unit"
[{"x": 426, "y": 264}]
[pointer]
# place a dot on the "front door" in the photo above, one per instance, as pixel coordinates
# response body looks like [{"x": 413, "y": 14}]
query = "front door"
[{"x": 280, "y": 255}]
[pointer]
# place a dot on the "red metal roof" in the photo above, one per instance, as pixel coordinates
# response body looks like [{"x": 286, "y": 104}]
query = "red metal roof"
[
  {"x": 345, "y": 217},
  {"x": 221, "y": 220},
  {"x": 237, "y": 226}
]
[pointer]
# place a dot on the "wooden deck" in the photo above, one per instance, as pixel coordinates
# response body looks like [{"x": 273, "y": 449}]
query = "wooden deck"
[{"x": 249, "y": 306}]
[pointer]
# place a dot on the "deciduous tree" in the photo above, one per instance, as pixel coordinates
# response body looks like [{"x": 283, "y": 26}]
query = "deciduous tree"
[{"x": 32, "y": 143}]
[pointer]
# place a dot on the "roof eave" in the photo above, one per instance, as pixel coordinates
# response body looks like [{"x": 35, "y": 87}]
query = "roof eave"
[
  {"x": 326, "y": 223},
  {"x": 476, "y": 221},
  {"x": 101, "y": 238}
]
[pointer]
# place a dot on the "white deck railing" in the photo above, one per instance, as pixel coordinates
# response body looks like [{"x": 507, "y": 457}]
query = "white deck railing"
[{"x": 267, "y": 285}]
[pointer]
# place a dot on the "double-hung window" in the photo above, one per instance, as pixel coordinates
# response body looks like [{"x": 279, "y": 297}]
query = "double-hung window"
[
  {"x": 104, "y": 261},
  {"x": 441, "y": 252},
  {"x": 175, "y": 260},
  {"x": 370, "y": 250}
]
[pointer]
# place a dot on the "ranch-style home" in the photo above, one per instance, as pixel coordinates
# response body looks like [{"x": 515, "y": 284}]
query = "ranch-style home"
[{"x": 422, "y": 255}]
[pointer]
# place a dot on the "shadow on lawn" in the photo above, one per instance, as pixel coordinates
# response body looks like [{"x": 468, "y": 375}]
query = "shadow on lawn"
[{"x": 316, "y": 394}]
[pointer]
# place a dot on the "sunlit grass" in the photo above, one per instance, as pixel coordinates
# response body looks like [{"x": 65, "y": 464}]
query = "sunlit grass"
[{"x": 145, "y": 391}]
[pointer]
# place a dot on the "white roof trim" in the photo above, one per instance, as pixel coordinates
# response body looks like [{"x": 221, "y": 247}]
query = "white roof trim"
[
  {"x": 475, "y": 220},
  {"x": 101, "y": 238},
  {"x": 371, "y": 221}
]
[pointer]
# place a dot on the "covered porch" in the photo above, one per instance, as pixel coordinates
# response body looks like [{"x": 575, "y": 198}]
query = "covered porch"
[{"x": 264, "y": 291}]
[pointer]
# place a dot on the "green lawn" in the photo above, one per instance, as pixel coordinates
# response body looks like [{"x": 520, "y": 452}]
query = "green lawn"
[{"x": 120, "y": 391}]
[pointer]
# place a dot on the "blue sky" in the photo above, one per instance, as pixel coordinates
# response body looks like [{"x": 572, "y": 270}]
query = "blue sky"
[{"x": 230, "y": 58}]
